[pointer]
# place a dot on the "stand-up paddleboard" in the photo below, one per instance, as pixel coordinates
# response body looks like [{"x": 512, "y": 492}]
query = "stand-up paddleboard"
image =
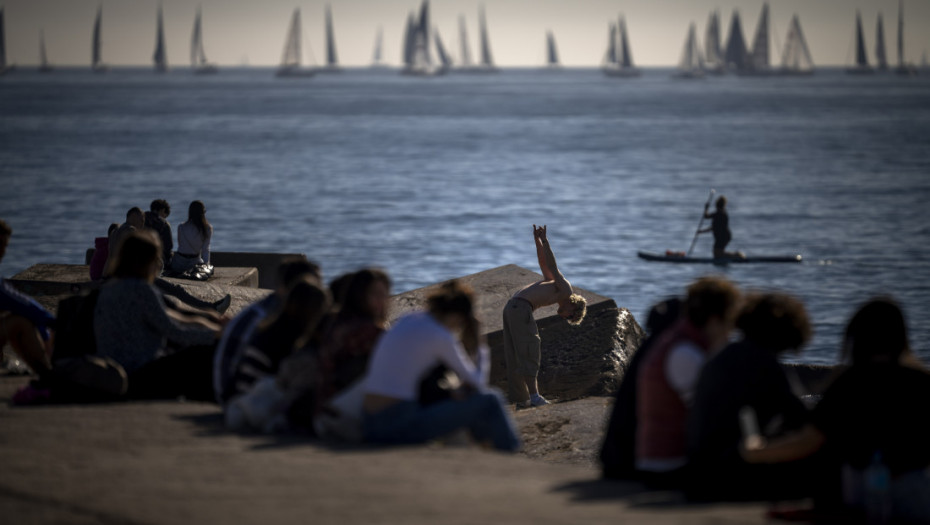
[{"x": 681, "y": 257}]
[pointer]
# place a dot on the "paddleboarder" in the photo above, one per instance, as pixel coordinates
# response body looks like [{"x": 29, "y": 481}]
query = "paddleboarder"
[{"x": 720, "y": 226}]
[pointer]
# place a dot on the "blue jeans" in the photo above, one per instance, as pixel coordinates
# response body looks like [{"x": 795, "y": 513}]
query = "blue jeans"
[{"x": 406, "y": 422}]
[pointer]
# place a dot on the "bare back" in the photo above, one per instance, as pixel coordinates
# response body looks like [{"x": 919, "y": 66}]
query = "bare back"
[{"x": 544, "y": 293}]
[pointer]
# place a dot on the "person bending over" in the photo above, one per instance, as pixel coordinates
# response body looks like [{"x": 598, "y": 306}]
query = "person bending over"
[{"x": 521, "y": 336}]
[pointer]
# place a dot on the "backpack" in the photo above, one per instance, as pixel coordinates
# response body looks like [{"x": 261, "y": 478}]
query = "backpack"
[{"x": 74, "y": 328}]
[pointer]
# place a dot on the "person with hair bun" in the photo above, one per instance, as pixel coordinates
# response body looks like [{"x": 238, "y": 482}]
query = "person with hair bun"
[{"x": 448, "y": 334}]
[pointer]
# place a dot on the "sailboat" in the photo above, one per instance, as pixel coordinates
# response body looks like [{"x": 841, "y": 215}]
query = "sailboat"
[
  {"x": 198, "y": 57},
  {"x": 862, "y": 66},
  {"x": 418, "y": 60},
  {"x": 758, "y": 59},
  {"x": 903, "y": 67},
  {"x": 160, "y": 57},
  {"x": 44, "y": 66},
  {"x": 796, "y": 59},
  {"x": 332, "y": 63},
  {"x": 96, "y": 61},
  {"x": 619, "y": 61},
  {"x": 463, "y": 45},
  {"x": 691, "y": 64},
  {"x": 713, "y": 55},
  {"x": 487, "y": 62},
  {"x": 552, "y": 54},
  {"x": 736, "y": 57},
  {"x": 377, "y": 56},
  {"x": 290, "y": 59},
  {"x": 881, "y": 59}
]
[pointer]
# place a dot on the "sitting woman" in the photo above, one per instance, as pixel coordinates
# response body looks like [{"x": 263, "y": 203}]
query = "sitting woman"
[
  {"x": 350, "y": 340},
  {"x": 133, "y": 327},
  {"x": 194, "y": 237},
  {"x": 408, "y": 352},
  {"x": 867, "y": 421}
]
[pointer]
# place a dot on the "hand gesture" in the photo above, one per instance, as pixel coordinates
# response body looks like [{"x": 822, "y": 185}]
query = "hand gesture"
[{"x": 541, "y": 233}]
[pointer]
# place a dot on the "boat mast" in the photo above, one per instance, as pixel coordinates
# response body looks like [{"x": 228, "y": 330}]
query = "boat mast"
[
  {"x": 861, "y": 59},
  {"x": 331, "y": 59},
  {"x": 626, "y": 60},
  {"x": 43, "y": 58},
  {"x": 901, "y": 34},
  {"x": 161, "y": 61},
  {"x": 2, "y": 43},
  {"x": 712, "y": 41},
  {"x": 95, "y": 46},
  {"x": 552, "y": 54},
  {"x": 463, "y": 42},
  {"x": 611, "y": 45},
  {"x": 486, "y": 59},
  {"x": 736, "y": 46},
  {"x": 376, "y": 56},
  {"x": 797, "y": 56},
  {"x": 196, "y": 44},
  {"x": 441, "y": 50},
  {"x": 880, "y": 44}
]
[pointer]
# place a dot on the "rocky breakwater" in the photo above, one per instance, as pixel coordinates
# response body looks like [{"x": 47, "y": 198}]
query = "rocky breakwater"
[{"x": 577, "y": 361}]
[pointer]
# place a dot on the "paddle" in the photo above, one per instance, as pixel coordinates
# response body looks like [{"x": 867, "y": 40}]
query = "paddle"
[{"x": 709, "y": 199}]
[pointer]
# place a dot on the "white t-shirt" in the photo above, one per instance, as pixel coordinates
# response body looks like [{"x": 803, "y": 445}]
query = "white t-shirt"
[
  {"x": 413, "y": 347},
  {"x": 682, "y": 368}
]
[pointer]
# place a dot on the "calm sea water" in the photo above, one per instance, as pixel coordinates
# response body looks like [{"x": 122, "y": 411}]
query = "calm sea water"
[{"x": 437, "y": 178}]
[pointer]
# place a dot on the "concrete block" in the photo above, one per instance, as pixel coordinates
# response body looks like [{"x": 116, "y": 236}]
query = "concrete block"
[
  {"x": 577, "y": 361},
  {"x": 266, "y": 263}
]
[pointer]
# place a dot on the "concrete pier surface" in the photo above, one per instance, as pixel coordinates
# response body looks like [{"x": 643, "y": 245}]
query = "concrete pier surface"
[{"x": 173, "y": 462}]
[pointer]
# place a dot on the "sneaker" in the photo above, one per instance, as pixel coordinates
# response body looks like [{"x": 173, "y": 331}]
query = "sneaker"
[
  {"x": 223, "y": 304},
  {"x": 538, "y": 401}
]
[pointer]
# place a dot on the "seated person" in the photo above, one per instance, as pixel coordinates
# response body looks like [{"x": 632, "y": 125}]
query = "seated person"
[
  {"x": 747, "y": 375},
  {"x": 668, "y": 376},
  {"x": 24, "y": 323},
  {"x": 194, "y": 238},
  {"x": 156, "y": 219},
  {"x": 132, "y": 326},
  {"x": 867, "y": 420},
  {"x": 447, "y": 334}
]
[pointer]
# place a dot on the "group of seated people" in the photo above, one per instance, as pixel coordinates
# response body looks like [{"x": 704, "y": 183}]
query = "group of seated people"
[
  {"x": 704, "y": 405},
  {"x": 720, "y": 418},
  {"x": 304, "y": 344}
]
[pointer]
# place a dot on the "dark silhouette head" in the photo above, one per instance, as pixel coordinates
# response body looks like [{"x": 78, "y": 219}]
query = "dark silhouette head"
[
  {"x": 663, "y": 315},
  {"x": 721, "y": 202},
  {"x": 711, "y": 297},
  {"x": 367, "y": 295},
  {"x": 876, "y": 333},
  {"x": 338, "y": 288},
  {"x": 159, "y": 205},
  {"x": 299, "y": 315},
  {"x": 774, "y": 321},
  {"x": 135, "y": 217},
  {"x": 138, "y": 256},
  {"x": 294, "y": 268},
  {"x": 197, "y": 215},
  {"x": 113, "y": 227}
]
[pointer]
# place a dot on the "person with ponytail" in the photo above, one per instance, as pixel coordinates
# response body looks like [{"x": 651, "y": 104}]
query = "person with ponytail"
[{"x": 194, "y": 237}]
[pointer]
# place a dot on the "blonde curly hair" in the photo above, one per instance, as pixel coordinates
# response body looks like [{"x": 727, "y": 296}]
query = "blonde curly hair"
[{"x": 581, "y": 308}]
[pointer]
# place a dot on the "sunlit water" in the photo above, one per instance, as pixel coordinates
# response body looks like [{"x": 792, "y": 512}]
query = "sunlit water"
[{"x": 442, "y": 177}]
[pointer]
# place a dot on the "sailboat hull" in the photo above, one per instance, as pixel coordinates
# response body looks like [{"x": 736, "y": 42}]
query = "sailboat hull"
[
  {"x": 621, "y": 72},
  {"x": 209, "y": 69}
]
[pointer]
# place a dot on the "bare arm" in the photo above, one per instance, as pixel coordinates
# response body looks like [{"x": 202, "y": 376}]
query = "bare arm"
[
  {"x": 561, "y": 283},
  {"x": 791, "y": 447},
  {"x": 541, "y": 253}
]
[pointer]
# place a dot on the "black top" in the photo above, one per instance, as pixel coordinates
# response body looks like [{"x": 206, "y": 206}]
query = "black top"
[
  {"x": 163, "y": 229},
  {"x": 877, "y": 408},
  {"x": 742, "y": 374},
  {"x": 720, "y": 224}
]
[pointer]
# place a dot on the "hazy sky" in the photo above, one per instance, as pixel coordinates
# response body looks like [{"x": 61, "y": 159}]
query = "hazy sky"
[{"x": 253, "y": 31}]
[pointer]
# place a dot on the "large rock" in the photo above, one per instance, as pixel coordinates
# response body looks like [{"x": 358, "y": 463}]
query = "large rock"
[{"x": 577, "y": 361}]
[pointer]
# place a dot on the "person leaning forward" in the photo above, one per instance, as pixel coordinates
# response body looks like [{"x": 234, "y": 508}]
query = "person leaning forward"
[{"x": 521, "y": 336}]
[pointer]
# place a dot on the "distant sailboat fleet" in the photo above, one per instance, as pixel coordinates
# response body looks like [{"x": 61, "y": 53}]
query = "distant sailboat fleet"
[{"x": 425, "y": 54}]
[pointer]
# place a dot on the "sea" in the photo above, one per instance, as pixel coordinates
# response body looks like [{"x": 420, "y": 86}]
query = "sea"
[{"x": 435, "y": 178}]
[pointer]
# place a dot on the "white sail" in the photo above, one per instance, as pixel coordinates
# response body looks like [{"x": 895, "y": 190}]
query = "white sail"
[
  {"x": 96, "y": 63},
  {"x": 691, "y": 64},
  {"x": 463, "y": 43},
  {"x": 713, "y": 55},
  {"x": 881, "y": 59},
  {"x": 797, "y": 57},
  {"x": 291, "y": 56},
  {"x": 160, "y": 57},
  {"x": 552, "y": 53},
  {"x": 759, "y": 60}
]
